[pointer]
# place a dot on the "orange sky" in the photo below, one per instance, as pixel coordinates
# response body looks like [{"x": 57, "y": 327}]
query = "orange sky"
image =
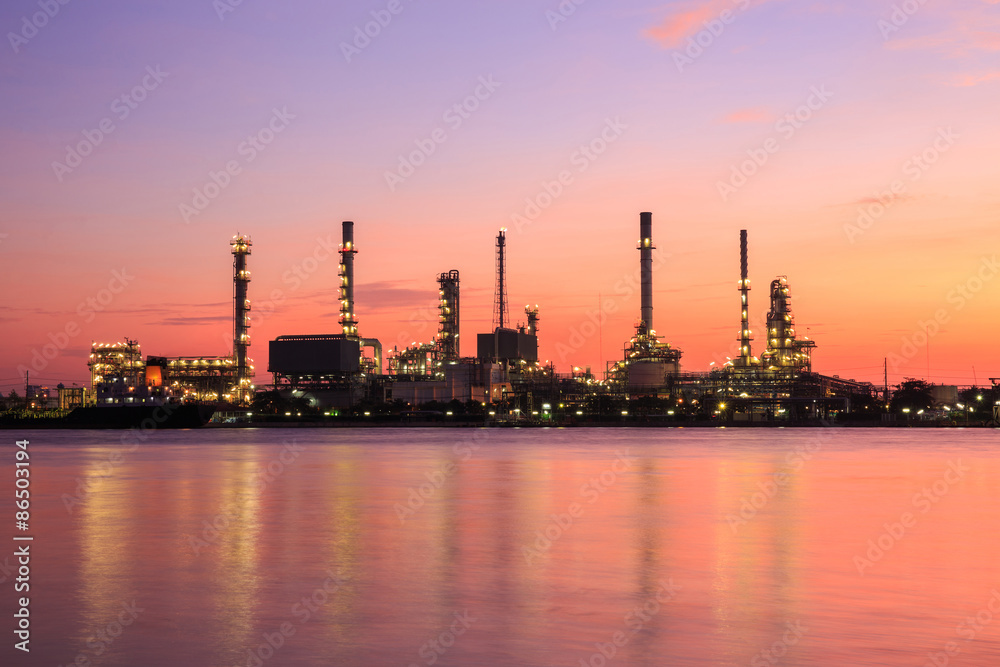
[{"x": 903, "y": 114}]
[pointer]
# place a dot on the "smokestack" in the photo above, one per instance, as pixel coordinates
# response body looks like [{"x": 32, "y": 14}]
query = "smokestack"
[
  {"x": 347, "y": 320},
  {"x": 745, "y": 337},
  {"x": 646, "y": 266},
  {"x": 500, "y": 297},
  {"x": 241, "y": 318}
]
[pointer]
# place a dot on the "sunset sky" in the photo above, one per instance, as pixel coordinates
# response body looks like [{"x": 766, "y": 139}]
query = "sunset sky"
[{"x": 856, "y": 142}]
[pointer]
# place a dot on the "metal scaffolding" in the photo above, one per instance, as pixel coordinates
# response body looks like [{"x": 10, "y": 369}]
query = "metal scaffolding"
[{"x": 500, "y": 296}]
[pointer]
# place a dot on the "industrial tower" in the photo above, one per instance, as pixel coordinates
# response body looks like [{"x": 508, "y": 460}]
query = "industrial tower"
[
  {"x": 241, "y": 319},
  {"x": 348, "y": 322},
  {"x": 647, "y": 363},
  {"x": 449, "y": 319},
  {"x": 784, "y": 350},
  {"x": 745, "y": 359},
  {"x": 646, "y": 248},
  {"x": 500, "y": 298},
  {"x": 532, "y": 314}
]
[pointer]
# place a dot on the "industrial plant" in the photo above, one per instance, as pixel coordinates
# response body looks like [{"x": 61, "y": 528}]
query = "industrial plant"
[
  {"x": 120, "y": 376},
  {"x": 343, "y": 373}
]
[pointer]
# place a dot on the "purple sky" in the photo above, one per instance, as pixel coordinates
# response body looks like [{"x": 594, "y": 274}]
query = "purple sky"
[{"x": 310, "y": 134}]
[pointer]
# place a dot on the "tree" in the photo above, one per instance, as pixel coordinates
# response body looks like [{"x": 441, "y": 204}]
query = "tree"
[{"x": 912, "y": 394}]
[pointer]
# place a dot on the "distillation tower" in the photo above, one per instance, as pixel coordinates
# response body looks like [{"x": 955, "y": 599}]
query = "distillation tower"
[
  {"x": 427, "y": 359},
  {"x": 784, "y": 350},
  {"x": 448, "y": 304},
  {"x": 244, "y": 389}
]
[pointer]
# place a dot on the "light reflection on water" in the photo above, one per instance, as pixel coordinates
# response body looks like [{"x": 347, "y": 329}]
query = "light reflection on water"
[{"x": 516, "y": 547}]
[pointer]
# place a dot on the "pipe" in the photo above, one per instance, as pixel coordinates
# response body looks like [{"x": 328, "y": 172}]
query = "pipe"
[{"x": 376, "y": 346}]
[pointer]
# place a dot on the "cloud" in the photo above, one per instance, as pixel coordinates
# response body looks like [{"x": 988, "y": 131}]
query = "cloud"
[
  {"x": 391, "y": 295},
  {"x": 968, "y": 80},
  {"x": 971, "y": 32},
  {"x": 690, "y": 18},
  {"x": 749, "y": 115},
  {"x": 864, "y": 201},
  {"x": 672, "y": 31},
  {"x": 187, "y": 320}
]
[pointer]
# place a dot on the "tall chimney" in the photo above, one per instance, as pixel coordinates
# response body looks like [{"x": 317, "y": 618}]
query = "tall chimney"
[
  {"x": 347, "y": 320},
  {"x": 746, "y": 356},
  {"x": 500, "y": 297},
  {"x": 241, "y": 246},
  {"x": 646, "y": 266}
]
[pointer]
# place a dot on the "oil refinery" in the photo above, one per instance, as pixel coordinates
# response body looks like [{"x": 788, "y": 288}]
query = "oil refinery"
[{"x": 344, "y": 372}]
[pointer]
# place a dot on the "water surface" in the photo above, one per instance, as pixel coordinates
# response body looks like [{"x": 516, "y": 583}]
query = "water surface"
[{"x": 612, "y": 546}]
